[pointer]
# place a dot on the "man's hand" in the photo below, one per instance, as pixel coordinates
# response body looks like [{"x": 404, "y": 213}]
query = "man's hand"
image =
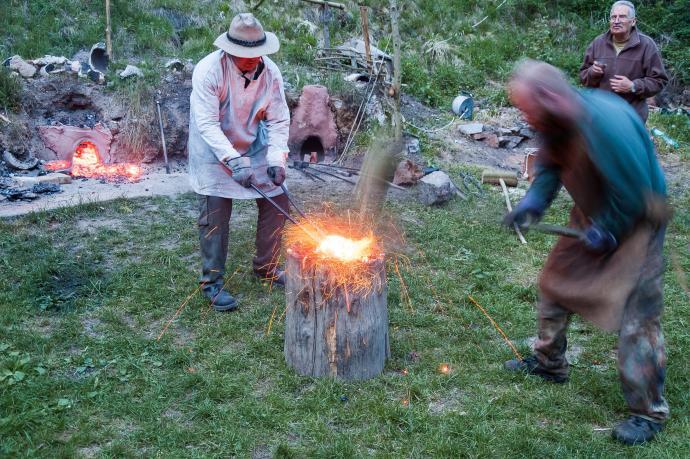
[
  {"x": 597, "y": 68},
  {"x": 526, "y": 212},
  {"x": 621, "y": 84},
  {"x": 276, "y": 174},
  {"x": 241, "y": 168},
  {"x": 599, "y": 240}
]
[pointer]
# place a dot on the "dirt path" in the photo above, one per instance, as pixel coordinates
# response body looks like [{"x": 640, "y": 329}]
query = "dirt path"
[{"x": 157, "y": 183}]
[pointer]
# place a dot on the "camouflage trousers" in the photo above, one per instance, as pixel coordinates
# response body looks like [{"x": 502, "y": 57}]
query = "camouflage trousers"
[{"x": 641, "y": 354}]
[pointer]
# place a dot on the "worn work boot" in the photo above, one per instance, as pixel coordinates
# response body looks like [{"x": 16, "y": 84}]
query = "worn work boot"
[
  {"x": 276, "y": 277},
  {"x": 530, "y": 365},
  {"x": 221, "y": 300},
  {"x": 636, "y": 430}
]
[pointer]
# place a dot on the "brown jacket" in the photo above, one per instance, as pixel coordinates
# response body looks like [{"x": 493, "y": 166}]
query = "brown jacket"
[{"x": 640, "y": 61}]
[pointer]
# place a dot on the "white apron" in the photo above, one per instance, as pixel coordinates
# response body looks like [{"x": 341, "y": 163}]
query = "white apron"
[{"x": 228, "y": 120}]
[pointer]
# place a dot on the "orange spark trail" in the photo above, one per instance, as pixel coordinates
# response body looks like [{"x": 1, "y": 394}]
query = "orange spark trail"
[
  {"x": 179, "y": 310},
  {"x": 505, "y": 337}
]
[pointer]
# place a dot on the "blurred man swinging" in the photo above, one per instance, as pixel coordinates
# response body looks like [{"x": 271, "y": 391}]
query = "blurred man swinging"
[{"x": 596, "y": 146}]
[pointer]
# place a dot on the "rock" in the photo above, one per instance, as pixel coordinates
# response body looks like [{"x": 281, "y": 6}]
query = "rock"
[
  {"x": 189, "y": 67},
  {"x": 357, "y": 78},
  {"x": 407, "y": 173},
  {"x": 471, "y": 129},
  {"x": 412, "y": 146},
  {"x": 492, "y": 140},
  {"x": 514, "y": 130},
  {"x": 504, "y": 131},
  {"x": 436, "y": 188},
  {"x": 526, "y": 133},
  {"x": 56, "y": 178},
  {"x": 509, "y": 141},
  {"x": 48, "y": 60},
  {"x": 3, "y": 198},
  {"x": 50, "y": 69},
  {"x": 22, "y": 67},
  {"x": 96, "y": 76},
  {"x": 686, "y": 97},
  {"x": 174, "y": 65},
  {"x": 75, "y": 66},
  {"x": 131, "y": 70}
]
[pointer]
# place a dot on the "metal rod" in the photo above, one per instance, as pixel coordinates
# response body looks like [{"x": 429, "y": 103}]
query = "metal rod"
[
  {"x": 275, "y": 204},
  {"x": 558, "y": 230},
  {"x": 319, "y": 171},
  {"x": 299, "y": 211},
  {"x": 334, "y": 166},
  {"x": 165, "y": 150}
]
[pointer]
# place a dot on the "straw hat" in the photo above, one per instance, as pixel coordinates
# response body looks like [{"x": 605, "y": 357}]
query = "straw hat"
[{"x": 246, "y": 38}]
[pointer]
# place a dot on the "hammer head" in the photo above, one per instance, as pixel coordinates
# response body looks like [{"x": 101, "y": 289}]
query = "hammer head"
[{"x": 493, "y": 177}]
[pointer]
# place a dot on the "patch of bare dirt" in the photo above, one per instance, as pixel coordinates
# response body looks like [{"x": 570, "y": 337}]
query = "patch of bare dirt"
[
  {"x": 91, "y": 327},
  {"x": 451, "y": 403},
  {"x": 92, "y": 225}
]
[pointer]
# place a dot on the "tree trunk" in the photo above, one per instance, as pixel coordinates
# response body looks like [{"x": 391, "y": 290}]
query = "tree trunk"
[{"x": 331, "y": 332}]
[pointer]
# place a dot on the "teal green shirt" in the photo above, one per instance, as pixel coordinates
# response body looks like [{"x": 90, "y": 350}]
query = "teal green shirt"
[{"x": 619, "y": 146}]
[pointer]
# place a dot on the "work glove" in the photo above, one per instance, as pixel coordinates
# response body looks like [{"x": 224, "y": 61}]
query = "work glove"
[
  {"x": 527, "y": 211},
  {"x": 241, "y": 169},
  {"x": 276, "y": 174},
  {"x": 599, "y": 240}
]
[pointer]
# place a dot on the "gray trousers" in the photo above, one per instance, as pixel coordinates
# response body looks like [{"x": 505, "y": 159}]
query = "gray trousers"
[
  {"x": 214, "y": 228},
  {"x": 641, "y": 353}
]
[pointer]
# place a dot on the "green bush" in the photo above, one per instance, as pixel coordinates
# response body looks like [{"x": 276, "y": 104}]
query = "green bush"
[{"x": 10, "y": 90}]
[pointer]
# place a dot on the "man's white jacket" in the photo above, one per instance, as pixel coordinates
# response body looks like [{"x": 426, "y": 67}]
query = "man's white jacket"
[{"x": 230, "y": 118}]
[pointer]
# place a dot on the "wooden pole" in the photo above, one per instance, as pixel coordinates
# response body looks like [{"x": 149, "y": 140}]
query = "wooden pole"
[
  {"x": 108, "y": 31},
  {"x": 510, "y": 209},
  {"x": 325, "y": 19},
  {"x": 397, "y": 73},
  {"x": 331, "y": 4},
  {"x": 365, "y": 31}
]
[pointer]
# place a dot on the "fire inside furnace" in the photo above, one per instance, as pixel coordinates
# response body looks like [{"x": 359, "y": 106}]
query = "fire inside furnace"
[{"x": 86, "y": 162}]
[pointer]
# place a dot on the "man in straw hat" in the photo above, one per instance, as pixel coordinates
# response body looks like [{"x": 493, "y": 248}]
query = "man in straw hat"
[
  {"x": 596, "y": 146},
  {"x": 238, "y": 132}
]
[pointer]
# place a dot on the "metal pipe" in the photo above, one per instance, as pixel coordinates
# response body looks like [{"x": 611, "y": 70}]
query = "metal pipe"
[
  {"x": 558, "y": 230},
  {"x": 275, "y": 204},
  {"x": 319, "y": 171},
  {"x": 299, "y": 211},
  {"x": 165, "y": 150}
]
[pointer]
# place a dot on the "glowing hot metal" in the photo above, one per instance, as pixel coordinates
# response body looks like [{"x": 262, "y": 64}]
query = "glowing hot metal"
[{"x": 343, "y": 249}]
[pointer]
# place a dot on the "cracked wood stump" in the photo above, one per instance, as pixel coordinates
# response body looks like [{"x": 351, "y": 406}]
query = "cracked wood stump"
[{"x": 323, "y": 337}]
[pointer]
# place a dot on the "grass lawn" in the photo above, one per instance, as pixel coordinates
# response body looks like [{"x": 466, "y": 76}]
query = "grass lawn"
[{"x": 85, "y": 292}]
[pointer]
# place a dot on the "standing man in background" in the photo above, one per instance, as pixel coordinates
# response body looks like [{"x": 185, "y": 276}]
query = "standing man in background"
[
  {"x": 238, "y": 131},
  {"x": 625, "y": 61}
]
